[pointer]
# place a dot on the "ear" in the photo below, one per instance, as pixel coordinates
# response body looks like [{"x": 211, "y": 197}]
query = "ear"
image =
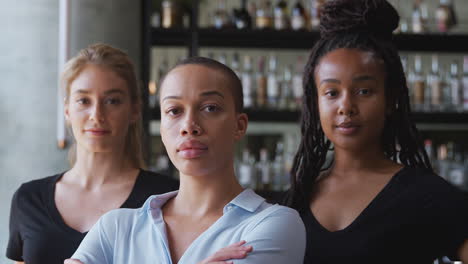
[{"x": 242, "y": 121}]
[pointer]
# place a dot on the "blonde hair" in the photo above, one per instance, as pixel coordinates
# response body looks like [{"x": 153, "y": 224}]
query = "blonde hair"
[{"x": 118, "y": 62}]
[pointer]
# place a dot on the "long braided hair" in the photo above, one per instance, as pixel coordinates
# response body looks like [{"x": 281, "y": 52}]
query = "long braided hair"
[{"x": 366, "y": 25}]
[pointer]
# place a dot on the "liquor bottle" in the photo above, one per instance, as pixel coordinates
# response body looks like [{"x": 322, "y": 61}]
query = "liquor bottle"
[
  {"x": 429, "y": 150},
  {"x": 278, "y": 168},
  {"x": 171, "y": 14},
  {"x": 272, "y": 83},
  {"x": 419, "y": 16},
  {"x": 235, "y": 64},
  {"x": 457, "y": 170},
  {"x": 248, "y": 83},
  {"x": 455, "y": 84},
  {"x": 434, "y": 97},
  {"x": 286, "y": 101},
  {"x": 221, "y": 16},
  {"x": 264, "y": 15},
  {"x": 246, "y": 171},
  {"x": 315, "y": 9},
  {"x": 222, "y": 58},
  {"x": 281, "y": 19},
  {"x": 419, "y": 86},
  {"x": 264, "y": 170},
  {"x": 261, "y": 91},
  {"x": 241, "y": 17},
  {"x": 298, "y": 91},
  {"x": 445, "y": 16},
  {"x": 162, "y": 70},
  {"x": 408, "y": 75},
  {"x": 465, "y": 83},
  {"x": 298, "y": 16},
  {"x": 442, "y": 162}
]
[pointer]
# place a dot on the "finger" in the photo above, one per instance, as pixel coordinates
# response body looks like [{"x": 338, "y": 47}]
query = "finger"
[
  {"x": 237, "y": 244},
  {"x": 237, "y": 253}
]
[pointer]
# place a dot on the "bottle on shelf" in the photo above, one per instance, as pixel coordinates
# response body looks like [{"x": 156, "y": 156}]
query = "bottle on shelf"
[
  {"x": 273, "y": 91},
  {"x": 222, "y": 58},
  {"x": 221, "y": 17},
  {"x": 278, "y": 168},
  {"x": 445, "y": 16},
  {"x": 442, "y": 161},
  {"x": 247, "y": 80},
  {"x": 235, "y": 64},
  {"x": 419, "y": 86},
  {"x": 246, "y": 171},
  {"x": 286, "y": 101},
  {"x": 264, "y": 15},
  {"x": 153, "y": 86},
  {"x": 434, "y": 97},
  {"x": 298, "y": 16},
  {"x": 171, "y": 14},
  {"x": 261, "y": 89},
  {"x": 315, "y": 9},
  {"x": 455, "y": 85},
  {"x": 264, "y": 170},
  {"x": 457, "y": 170},
  {"x": 298, "y": 91},
  {"x": 281, "y": 19},
  {"x": 465, "y": 84},
  {"x": 241, "y": 17},
  {"x": 419, "y": 16}
]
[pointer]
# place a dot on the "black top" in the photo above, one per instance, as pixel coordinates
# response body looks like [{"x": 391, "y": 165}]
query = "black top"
[
  {"x": 38, "y": 233},
  {"x": 416, "y": 218}
]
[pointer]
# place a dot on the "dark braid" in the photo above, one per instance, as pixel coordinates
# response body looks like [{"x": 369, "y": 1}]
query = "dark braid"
[{"x": 353, "y": 24}]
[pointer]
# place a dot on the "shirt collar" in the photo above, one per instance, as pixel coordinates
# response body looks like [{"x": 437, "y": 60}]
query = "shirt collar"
[
  {"x": 157, "y": 201},
  {"x": 247, "y": 200}
]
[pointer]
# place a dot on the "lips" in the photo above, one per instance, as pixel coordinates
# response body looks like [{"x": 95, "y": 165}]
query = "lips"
[
  {"x": 348, "y": 127},
  {"x": 191, "y": 149},
  {"x": 97, "y": 131}
]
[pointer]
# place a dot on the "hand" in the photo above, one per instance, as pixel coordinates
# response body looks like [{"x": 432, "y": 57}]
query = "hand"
[
  {"x": 234, "y": 251},
  {"x": 72, "y": 261}
]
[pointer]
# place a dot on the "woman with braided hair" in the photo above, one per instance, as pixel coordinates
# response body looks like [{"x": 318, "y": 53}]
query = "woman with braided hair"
[{"x": 378, "y": 199}]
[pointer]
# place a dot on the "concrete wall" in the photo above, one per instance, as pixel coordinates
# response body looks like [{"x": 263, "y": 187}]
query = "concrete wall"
[{"x": 28, "y": 82}]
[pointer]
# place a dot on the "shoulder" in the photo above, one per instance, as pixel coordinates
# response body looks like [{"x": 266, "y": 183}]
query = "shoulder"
[
  {"x": 278, "y": 216},
  {"x": 158, "y": 182},
  {"x": 118, "y": 219},
  {"x": 35, "y": 189}
]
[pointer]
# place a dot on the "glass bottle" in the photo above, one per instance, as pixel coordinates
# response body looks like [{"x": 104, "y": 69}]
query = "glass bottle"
[
  {"x": 264, "y": 15},
  {"x": 171, "y": 14},
  {"x": 435, "y": 82},
  {"x": 272, "y": 83},
  {"x": 261, "y": 91},
  {"x": 297, "y": 88},
  {"x": 248, "y": 83},
  {"x": 419, "y": 16},
  {"x": 286, "y": 101},
  {"x": 281, "y": 19},
  {"x": 315, "y": 9},
  {"x": 465, "y": 83},
  {"x": 298, "y": 16},
  {"x": 445, "y": 16},
  {"x": 264, "y": 170},
  {"x": 456, "y": 93},
  {"x": 246, "y": 170},
  {"x": 278, "y": 169},
  {"x": 241, "y": 17},
  {"x": 221, "y": 16},
  {"x": 235, "y": 64},
  {"x": 419, "y": 86}
]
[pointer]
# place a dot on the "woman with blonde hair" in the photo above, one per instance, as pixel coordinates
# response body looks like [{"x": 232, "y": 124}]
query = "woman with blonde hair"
[{"x": 51, "y": 216}]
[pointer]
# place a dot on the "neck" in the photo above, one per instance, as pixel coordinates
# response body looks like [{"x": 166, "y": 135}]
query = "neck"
[
  {"x": 203, "y": 195},
  {"x": 352, "y": 163},
  {"x": 94, "y": 169}
]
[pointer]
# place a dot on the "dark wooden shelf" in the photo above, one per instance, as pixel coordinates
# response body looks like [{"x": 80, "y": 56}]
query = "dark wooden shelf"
[
  {"x": 288, "y": 39},
  {"x": 294, "y": 116}
]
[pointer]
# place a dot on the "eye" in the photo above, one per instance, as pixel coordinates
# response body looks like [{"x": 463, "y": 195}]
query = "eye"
[
  {"x": 211, "y": 108},
  {"x": 113, "y": 101},
  {"x": 82, "y": 101},
  {"x": 331, "y": 93},
  {"x": 173, "y": 111},
  {"x": 364, "y": 91}
]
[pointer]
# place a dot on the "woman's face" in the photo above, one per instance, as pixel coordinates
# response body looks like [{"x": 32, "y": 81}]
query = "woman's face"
[
  {"x": 199, "y": 124},
  {"x": 100, "y": 110},
  {"x": 351, "y": 98}
]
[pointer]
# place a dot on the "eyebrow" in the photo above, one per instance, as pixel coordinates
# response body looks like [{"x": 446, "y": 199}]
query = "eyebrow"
[
  {"x": 111, "y": 91},
  {"x": 209, "y": 93},
  {"x": 359, "y": 78}
]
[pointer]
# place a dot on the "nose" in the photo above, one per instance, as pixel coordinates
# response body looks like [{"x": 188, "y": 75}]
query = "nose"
[
  {"x": 97, "y": 113},
  {"x": 347, "y": 105},
  {"x": 191, "y": 126}
]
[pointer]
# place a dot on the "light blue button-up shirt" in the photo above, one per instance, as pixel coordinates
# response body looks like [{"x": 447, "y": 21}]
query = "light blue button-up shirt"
[{"x": 130, "y": 236}]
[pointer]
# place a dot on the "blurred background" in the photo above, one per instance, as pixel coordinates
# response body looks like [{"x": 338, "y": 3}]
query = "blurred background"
[{"x": 265, "y": 42}]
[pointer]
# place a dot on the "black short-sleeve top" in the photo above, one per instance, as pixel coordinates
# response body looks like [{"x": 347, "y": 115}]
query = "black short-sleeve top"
[
  {"x": 416, "y": 218},
  {"x": 38, "y": 233}
]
